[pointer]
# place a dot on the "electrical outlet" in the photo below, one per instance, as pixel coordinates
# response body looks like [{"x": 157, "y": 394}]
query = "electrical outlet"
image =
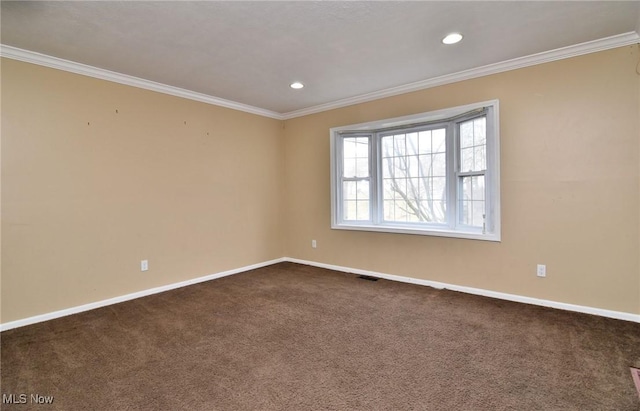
[
  {"x": 542, "y": 270},
  {"x": 314, "y": 244},
  {"x": 144, "y": 265}
]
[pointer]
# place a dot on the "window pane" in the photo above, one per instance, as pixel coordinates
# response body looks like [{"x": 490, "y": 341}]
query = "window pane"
[
  {"x": 480, "y": 131},
  {"x": 433, "y": 211},
  {"x": 478, "y": 213},
  {"x": 362, "y": 210},
  {"x": 414, "y": 188},
  {"x": 399, "y": 167},
  {"x": 362, "y": 190},
  {"x": 362, "y": 147},
  {"x": 467, "y": 193},
  {"x": 466, "y": 134},
  {"x": 412, "y": 143},
  {"x": 466, "y": 159},
  {"x": 387, "y": 146},
  {"x": 439, "y": 165},
  {"x": 394, "y": 188},
  {"x": 426, "y": 165},
  {"x": 472, "y": 204},
  {"x": 465, "y": 211},
  {"x": 424, "y": 142},
  {"x": 349, "y": 167},
  {"x": 388, "y": 210},
  {"x": 399, "y": 145},
  {"x": 439, "y": 189},
  {"x": 362, "y": 167},
  {"x": 356, "y": 200},
  {"x": 355, "y": 157},
  {"x": 438, "y": 144},
  {"x": 355, "y": 163},
  {"x": 399, "y": 187},
  {"x": 356, "y": 210},
  {"x": 478, "y": 188},
  {"x": 473, "y": 152},
  {"x": 400, "y": 210},
  {"x": 349, "y": 148},
  {"x": 413, "y": 166},
  {"x": 480, "y": 158},
  {"x": 349, "y": 190},
  {"x": 350, "y": 210},
  {"x": 473, "y": 188},
  {"x": 413, "y": 216},
  {"x": 416, "y": 191},
  {"x": 387, "y": 187},
  {"x": 387, "y": 165}
]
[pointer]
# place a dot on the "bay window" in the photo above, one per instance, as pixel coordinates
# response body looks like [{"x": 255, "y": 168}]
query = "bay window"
[{"x": 434, "y": 173}]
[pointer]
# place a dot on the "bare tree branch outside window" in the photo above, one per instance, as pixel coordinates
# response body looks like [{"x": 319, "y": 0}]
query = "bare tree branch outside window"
[{"x": 413, "y": 164}]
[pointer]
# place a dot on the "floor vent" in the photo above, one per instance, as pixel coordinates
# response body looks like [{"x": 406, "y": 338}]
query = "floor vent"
[{"x": 368, "y": 278}]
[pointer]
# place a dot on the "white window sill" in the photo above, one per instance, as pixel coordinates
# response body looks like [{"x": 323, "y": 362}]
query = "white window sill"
[{"x": 469, "y": 235}]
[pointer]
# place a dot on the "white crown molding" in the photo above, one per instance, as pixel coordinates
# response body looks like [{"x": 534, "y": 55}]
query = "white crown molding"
[
  {"x": 115, "y": 300},
  {"x": 85, "y": 70},
  {"x": 606, "y": 43},
  {"x": 619, "y": 315}
]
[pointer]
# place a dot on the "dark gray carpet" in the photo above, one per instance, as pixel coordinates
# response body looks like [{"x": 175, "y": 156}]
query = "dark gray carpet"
[{"x": 292, "y": 337}]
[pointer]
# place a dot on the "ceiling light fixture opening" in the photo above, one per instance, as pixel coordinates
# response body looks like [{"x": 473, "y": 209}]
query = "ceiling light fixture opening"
[
  {"x": 452, "y": 38},
  {"x": 297, "y": 85}
]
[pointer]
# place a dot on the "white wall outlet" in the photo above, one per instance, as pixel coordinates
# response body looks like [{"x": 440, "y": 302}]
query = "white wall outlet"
[
  {"x": 314, "y": 244},
  {"x": 144, "y": 265},
  {"x": 542, "y": 270}
]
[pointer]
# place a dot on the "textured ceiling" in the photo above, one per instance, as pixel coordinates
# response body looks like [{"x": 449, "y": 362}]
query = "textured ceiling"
[{"x": 249, "y": 52}]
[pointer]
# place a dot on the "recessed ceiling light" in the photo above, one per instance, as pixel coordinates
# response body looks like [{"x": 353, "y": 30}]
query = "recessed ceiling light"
[
  {"x": 296, "y": 85},
  {"x": 452, "y": 38}
]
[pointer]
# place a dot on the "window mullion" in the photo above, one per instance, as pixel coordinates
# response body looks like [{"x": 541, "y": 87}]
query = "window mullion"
[
  {"x": 374, "y": 175},
  {"x": 339, "y": 179},
  {"x": 490, "y": 177},
  {"x": 452, "y": 176}
]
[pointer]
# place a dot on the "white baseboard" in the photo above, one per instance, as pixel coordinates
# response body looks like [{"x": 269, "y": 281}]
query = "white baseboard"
[
  {"x": 127, "y": 297},
  {"x": 478, "y": 291},
  {"x": 469, "y": 290}
]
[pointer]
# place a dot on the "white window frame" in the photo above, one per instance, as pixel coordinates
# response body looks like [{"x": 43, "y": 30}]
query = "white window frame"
[{"x": 374, "y": 130}]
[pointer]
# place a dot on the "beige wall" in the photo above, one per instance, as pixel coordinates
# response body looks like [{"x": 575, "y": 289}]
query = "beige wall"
[
  {"x": 88, "y": 192},
  {"x": 570, "y": 186}
]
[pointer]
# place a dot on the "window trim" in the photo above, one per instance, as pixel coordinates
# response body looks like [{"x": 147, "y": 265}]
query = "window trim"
[{"x": 451, "y": 228}]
